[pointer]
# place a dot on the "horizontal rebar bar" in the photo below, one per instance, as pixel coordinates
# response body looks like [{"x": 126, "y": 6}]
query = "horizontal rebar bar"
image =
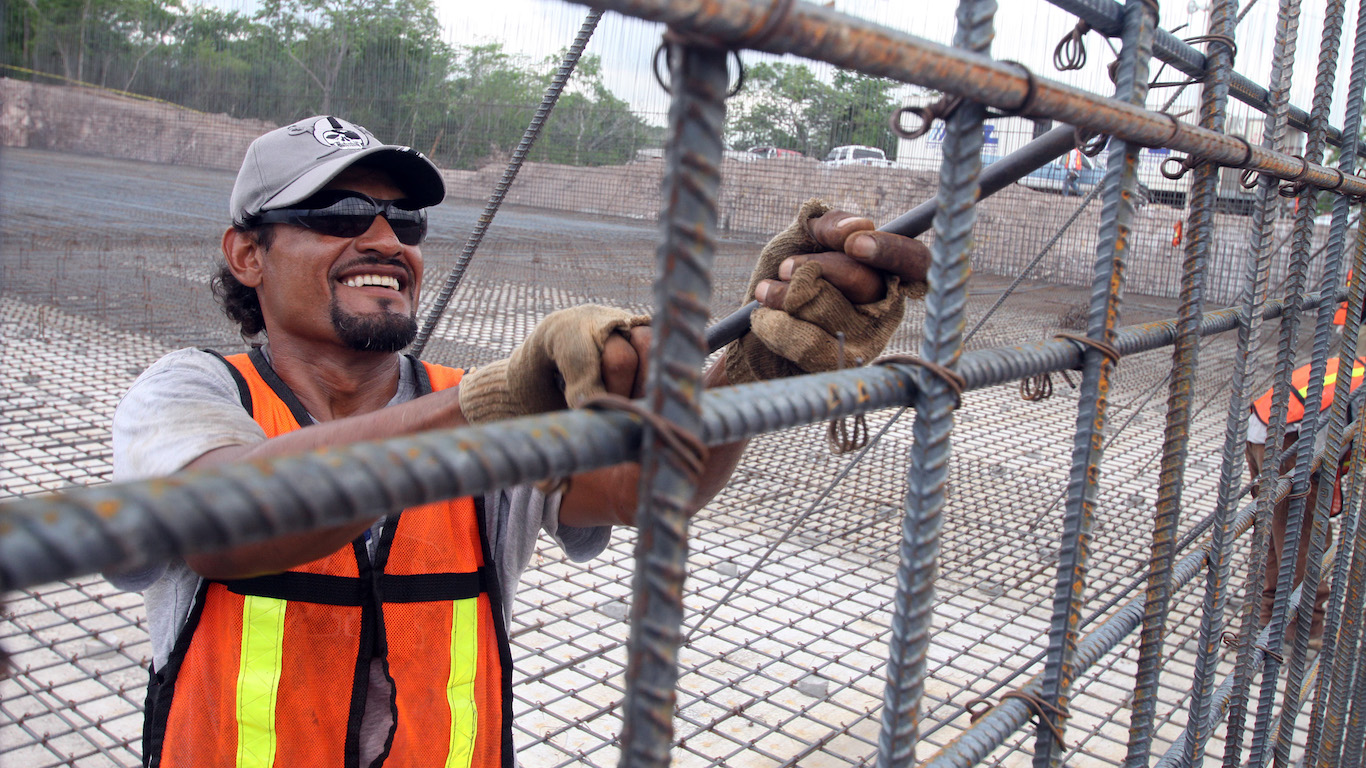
[
  {"x": 822, "y": 34},
  {"x": 128, "y": 525}
]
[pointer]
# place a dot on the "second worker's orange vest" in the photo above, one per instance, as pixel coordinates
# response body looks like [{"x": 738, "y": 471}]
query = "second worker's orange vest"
[
  {"x": 1299, "y": 385},
  {"x": 272, "y": 672}
]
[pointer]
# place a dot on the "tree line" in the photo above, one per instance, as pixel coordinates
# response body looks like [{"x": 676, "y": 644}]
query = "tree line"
[
  {"x": 384, "y": 64},
  {"x": 380, "y": 63}
]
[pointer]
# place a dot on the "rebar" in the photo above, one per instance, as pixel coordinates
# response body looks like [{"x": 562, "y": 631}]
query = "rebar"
[
  {"x": 568, "y": 62},
  {"x": 935, "y": 401},
  {"x": 1107, "y": 287},
  {"x": 1347, "y": 357},
  {"x": 1345, "y": 607},
  {"x": 1185, "y": 361},
  {"x": 667, "y": 487},
  {"x": 1264, "y": 218}
]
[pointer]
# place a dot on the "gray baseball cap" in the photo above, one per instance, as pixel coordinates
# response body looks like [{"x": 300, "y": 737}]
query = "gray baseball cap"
[{"x": 290, "y": 164}]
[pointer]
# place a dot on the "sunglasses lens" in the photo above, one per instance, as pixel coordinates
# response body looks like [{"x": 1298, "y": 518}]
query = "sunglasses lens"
[
  {"x": 351, "y": 215},
  {"x": 336, "y": 225}
]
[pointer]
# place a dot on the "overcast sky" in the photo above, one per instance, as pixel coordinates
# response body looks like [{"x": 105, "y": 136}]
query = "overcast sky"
[{"x": 1027, "y": 31}]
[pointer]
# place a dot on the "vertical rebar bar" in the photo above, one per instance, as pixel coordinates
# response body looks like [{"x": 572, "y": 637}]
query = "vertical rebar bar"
[
  {"x": 682, "y": 297},
  {"x": 500, "y": 190},
  {"x": 942, "y": 343},
  {"x": 1263, "y": 228},
  {"x": 1185, "y": 359},
  {"x": 1140, "y": 16}
]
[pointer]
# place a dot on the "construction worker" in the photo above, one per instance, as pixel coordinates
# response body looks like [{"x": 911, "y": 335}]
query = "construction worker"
[
  {"x": 383, "y": 641},
  {"x": 1257, "y": 429}
]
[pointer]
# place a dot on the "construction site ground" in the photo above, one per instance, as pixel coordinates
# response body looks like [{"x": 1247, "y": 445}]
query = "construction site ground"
[{"x": 105, "y": 266}]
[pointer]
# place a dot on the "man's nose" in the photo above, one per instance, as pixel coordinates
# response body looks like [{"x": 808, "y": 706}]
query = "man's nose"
[{"x": 379, "y": 237}]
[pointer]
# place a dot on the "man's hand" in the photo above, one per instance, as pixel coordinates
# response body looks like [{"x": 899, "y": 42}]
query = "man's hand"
[
  {"x": 856, "y": 262},
  {"x": 829, "y": 273}
]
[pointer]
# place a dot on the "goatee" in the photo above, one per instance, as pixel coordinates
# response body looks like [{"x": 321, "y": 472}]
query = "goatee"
[{"x": 375, "y": 332}]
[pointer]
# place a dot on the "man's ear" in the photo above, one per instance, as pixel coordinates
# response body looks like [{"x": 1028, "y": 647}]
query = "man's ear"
[{"x": 244, "y": 257}]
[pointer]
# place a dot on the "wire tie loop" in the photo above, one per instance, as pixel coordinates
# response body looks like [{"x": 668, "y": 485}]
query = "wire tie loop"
[
  {"x": 1090, "y": 143},
  {"x": 1247, "y": 151},
  {"x": 673, "y": 37},
  {"x": 955, "y": 381},
  {"x": 1183, "y": 165},
  {"x": 1230, "y": 639},
  {"x": 685, "y": 447},
  {"x": 1036, "y": 388},
  {"x": 1295, "y": 184},
  {"x": 1070, "y": 53},
  {"x": 1249, "y": 178},
  {"x": 1105, "y": 348},
  {"x": 1278, "y": 657},
  {"x": 1224, "y": 40},
  {"x": 1038, "y": 708},
  {"x": 942, "y": 109},
  {"x": 838, "y": 434}
]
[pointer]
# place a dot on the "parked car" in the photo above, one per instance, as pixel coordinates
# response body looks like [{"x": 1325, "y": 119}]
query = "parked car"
[
  {"x": 857, "y": 154},
  {"x": 772, "y": 153},
  {"x": 1063, "y": 175}
]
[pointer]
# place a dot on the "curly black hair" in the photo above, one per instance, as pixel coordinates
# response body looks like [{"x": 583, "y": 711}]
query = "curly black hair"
[{"x": 238, "y": 301}]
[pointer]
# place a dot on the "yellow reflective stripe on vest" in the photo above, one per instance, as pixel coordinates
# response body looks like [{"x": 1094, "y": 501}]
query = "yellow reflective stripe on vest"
[
  {"x": 460, "y": 686},
  {"x": 1330, "y": 379},
  {"x": 258, "y": 680}
]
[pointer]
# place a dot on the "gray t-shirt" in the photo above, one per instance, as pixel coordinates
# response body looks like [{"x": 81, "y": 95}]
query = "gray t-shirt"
[{"x": 187, "y": 404}]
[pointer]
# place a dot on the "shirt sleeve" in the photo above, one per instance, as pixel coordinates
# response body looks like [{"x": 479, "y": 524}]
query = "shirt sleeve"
[
  {"x": 182, "y": 407},
  {"x": 185, "y": 405},
  {"x": 517, "y": 516}
]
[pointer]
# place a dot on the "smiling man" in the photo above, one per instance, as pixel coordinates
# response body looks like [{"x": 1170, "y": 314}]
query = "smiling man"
[{"x": 384, "y": 642}]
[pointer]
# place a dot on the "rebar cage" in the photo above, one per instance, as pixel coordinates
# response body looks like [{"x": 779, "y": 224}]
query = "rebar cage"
[{"x": 966, "y": 589}]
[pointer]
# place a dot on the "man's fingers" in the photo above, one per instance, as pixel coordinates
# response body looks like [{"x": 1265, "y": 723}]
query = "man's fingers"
[
  {"x": 620, "y": 361},
  {"x": 641, "y": 338},
  {"x": 904, "y": 257},
  {"x": 834, "y": 227},
  {"x": 860, "y": 284},
  {"x": 770, "y": 293}
]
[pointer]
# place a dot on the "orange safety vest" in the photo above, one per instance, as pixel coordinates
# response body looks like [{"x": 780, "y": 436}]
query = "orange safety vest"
[
  {"x": 272, "y": 671},
  {"x": 1299, "y": 387}
]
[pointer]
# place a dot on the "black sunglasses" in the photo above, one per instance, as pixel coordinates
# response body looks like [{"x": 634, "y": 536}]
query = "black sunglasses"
[{"x": 342, "y": 213}]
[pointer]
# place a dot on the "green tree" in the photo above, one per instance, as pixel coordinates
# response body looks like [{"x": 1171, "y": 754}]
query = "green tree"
[
  {"x": 590, "y": 125},
  {"x": 787, "y": 106}
]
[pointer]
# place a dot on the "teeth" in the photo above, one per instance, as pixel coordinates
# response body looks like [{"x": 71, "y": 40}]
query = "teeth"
[{"x": 361, "y": 281}]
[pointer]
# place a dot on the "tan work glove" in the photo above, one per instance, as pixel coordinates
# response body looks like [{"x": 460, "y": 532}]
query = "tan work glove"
[
  {"x": 558, "y": 366},
  {"x": 801, "y": 338}
]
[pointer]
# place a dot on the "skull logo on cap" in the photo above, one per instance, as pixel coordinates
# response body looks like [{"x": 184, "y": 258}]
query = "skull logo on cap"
[{"x": 337, "y": 133}]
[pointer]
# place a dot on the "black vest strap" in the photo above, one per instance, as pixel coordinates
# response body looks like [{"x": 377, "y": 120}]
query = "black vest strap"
[
  {"x": 343, "y": 590},
  {"x": 243, "y": 391},
  {"x": 278, "y": 386}
]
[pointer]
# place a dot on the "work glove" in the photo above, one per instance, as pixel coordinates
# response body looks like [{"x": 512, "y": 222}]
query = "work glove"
[
  {"x": 558, "y": 366},
  {"x": 802, "y": 337}
]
